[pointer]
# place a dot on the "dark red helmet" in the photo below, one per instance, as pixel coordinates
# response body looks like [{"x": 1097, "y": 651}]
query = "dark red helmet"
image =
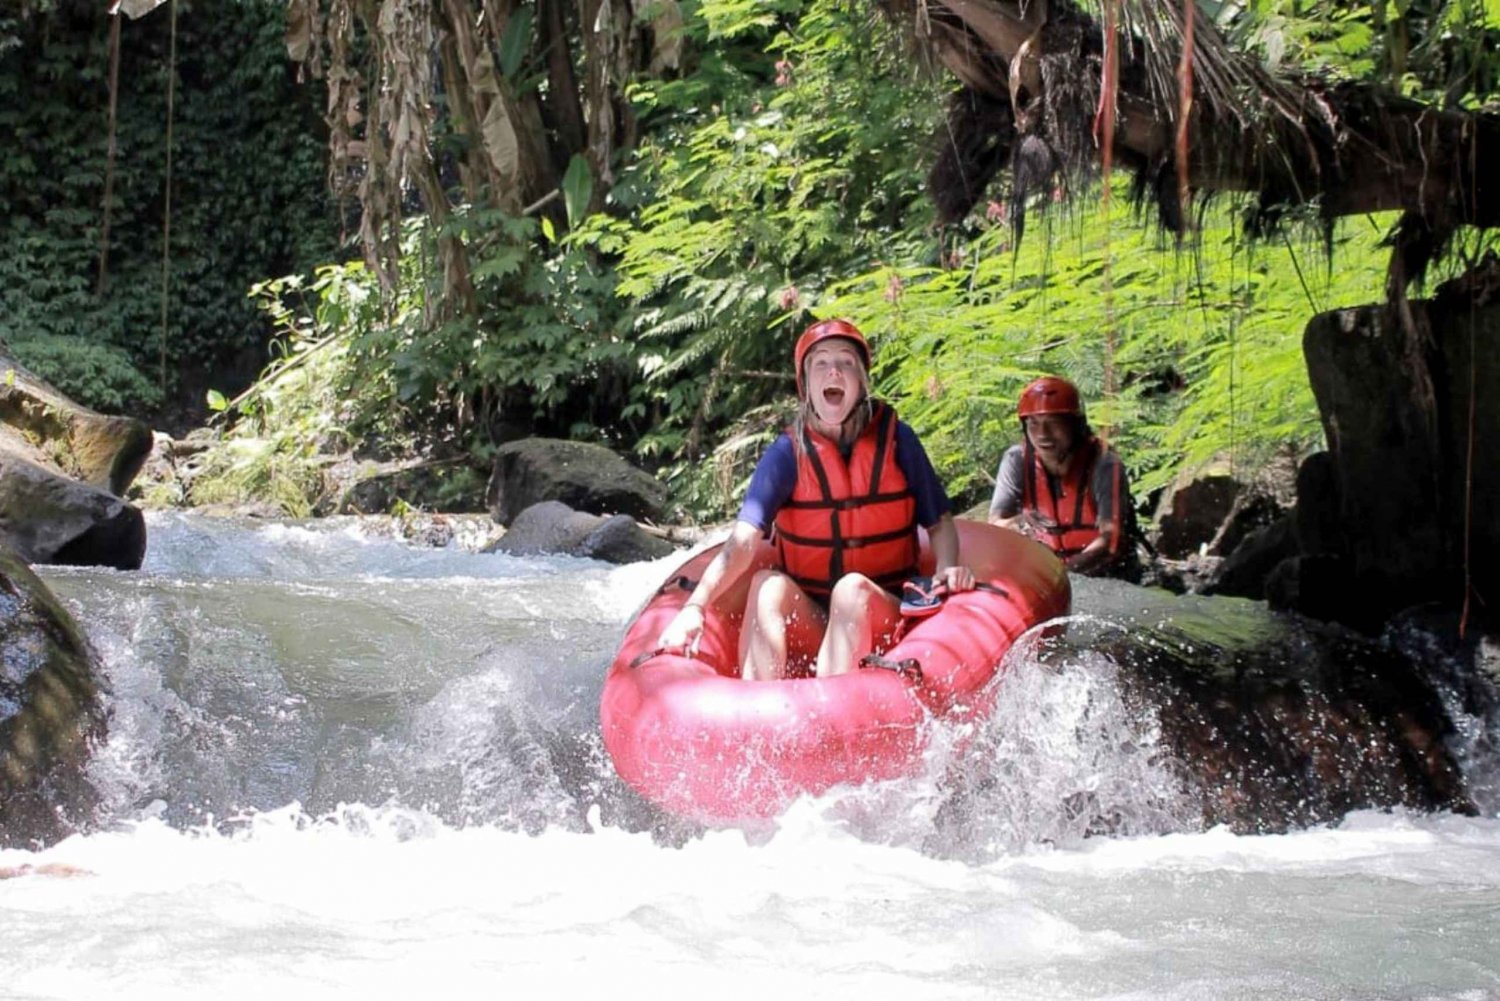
[
  {"x": 822, "y": 331},
  {"x": 1049, "y": 395}
]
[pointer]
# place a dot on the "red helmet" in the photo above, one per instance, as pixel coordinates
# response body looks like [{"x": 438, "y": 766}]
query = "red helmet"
[
  {"x": 822, "y": 331},
  {"x": 1049, "y": 395}
]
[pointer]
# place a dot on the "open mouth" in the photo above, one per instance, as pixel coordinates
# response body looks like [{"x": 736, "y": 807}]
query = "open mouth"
[{"x": 833, "y": 396}]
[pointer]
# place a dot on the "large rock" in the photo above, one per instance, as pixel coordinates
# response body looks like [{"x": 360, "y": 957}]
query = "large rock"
[
  {"x": 105, "y": 452},
  {"x": 1270, "y": 740},
  {"x": 1244, "y": 571},
  {"x": 1319, "y": 526},
  {"x": 48, "y": 518},
  {"x": 553, "y": 527},
  {"x": 1192, "y": 511},
  {"x": 1416, "y": 460},
  {"x": 62, "y": 469},
  {"x": 583, "y": 476},
  {"x": 50, "y": 712}
]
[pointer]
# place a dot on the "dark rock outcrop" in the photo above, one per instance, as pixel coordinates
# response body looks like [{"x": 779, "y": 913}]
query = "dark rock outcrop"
[
  {"x": 48, "y": 518},
  {"x": 50, "y": 712},
  {"x": 583, "y": 476},
  {"x": 1192, "y": 510},
  {"x": 1271, "y": 738},
  {"x": 553, "y": 527},
  {"x": 1244, "y": 572},
  {"x": 1409, "y": 511},
  {"x": 1219, "y": 533},
  {"x": 102, "y": 451},
  {"x": 62, "y": 470}
]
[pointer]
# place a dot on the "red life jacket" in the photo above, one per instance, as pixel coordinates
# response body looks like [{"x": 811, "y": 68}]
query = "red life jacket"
[
  {"x": 849, "y": 517},
  {"x": 1068, "y": 516}
]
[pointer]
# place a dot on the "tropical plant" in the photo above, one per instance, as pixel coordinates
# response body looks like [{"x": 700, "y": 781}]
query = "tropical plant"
[
  {"x": 1203, "y": 342},
  {"x": 788, "y": 158},
  {"x": 307, "y": 405}
]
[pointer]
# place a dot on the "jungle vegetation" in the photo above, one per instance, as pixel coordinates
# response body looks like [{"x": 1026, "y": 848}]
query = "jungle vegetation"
[{"x": 609, "y": 219}]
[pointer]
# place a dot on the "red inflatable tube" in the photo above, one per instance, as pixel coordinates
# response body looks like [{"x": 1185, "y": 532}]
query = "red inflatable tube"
[{"x": 689, "y": 735}]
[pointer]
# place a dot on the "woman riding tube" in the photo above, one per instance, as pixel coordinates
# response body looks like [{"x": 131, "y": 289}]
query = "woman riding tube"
[
  {"x": 842, "y": 492},
  {"x": 1064, "y": 487}
]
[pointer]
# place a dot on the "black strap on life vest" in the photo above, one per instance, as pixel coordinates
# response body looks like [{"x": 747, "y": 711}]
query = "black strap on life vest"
[
  {"x": 835, "y": 540},
  {"x": 882, "y": 433},
  {"x": 1028, "y": 488},
  {"x": 835, "y": 534}
]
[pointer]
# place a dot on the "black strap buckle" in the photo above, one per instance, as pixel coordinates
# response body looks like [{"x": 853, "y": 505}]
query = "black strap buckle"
[{"x": 909, "y": 668}]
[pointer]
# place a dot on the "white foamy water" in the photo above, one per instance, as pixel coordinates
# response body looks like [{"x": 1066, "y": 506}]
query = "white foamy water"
[{"x": 339, "y": 766}]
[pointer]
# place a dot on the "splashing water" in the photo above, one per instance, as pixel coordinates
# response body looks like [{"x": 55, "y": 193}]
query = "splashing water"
[{"x": 338, "y": 763}]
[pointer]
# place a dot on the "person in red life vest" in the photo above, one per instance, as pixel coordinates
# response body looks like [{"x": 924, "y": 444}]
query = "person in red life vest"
[
  {"x": 842, "y": 492},
  {"x": 1064, "y": 487}
]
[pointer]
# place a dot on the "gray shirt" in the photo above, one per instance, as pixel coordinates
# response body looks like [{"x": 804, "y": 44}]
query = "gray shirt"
[{"x": 1006, "y": 503}]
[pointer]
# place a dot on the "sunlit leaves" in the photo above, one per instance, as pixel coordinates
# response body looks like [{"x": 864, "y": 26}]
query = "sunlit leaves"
[
  {"x": 577, "y": 188},
  {"x": 1207, "y": 341}
]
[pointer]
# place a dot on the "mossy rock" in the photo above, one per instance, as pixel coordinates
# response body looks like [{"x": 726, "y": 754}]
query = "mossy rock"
[{"x": 50, "y": 712}]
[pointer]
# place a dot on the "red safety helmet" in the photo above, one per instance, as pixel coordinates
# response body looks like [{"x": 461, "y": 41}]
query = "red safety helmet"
[
  {"x": 822, "y": 331},
  {"x": 1049, "y": 395}
]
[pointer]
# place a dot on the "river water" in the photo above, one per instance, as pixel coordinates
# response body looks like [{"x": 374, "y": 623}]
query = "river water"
[{"x": 340, "y": 765}]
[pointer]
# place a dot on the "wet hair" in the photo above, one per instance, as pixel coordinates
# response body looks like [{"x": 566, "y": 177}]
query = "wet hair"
[{"x": 856, "y": 422}]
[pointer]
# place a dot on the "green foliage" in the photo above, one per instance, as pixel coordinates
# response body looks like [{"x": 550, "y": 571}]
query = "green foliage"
[
  {"x": 781, "y": 176},
  {"x": 1446, "y": 52},
  {"x": 792, "y": 156},
  {"x": 545, "y": 344},
  {"x": 1205, "y": 344},
  {"x": 101, "y": 374},
  {"x": 308, "y": 403},
  {"x": 247, "y": 194},
  {"x": 360, "y": 365}
]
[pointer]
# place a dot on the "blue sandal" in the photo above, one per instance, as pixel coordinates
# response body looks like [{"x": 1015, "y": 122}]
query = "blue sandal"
[{"x": 922, "y": 596}]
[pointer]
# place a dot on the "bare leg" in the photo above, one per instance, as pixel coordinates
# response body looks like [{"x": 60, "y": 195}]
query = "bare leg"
[
  {"x": 861, "y": 617},
  {"x": 779, "y": 619}
]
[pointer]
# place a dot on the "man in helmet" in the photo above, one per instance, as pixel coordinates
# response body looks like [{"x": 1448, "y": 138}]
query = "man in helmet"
[
  {"x": 844, "y": 488},
  {"x": 1064, "y": 487}
]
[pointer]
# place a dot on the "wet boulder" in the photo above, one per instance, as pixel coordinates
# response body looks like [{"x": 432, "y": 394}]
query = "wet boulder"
[
  {"x": 583, "y": 476},
  {"x": 1300, "y": 730},
  {"x": 62, "y": 471},
  {"x": 103, "y": 451},
  {"x": 48, "y": 518},
  {"x": 553, "y": 527},
  {"x": 50, "y": 712}
]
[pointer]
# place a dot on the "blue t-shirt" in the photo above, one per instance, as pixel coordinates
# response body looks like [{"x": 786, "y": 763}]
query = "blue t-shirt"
[{"x": 775, "y": 477}]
